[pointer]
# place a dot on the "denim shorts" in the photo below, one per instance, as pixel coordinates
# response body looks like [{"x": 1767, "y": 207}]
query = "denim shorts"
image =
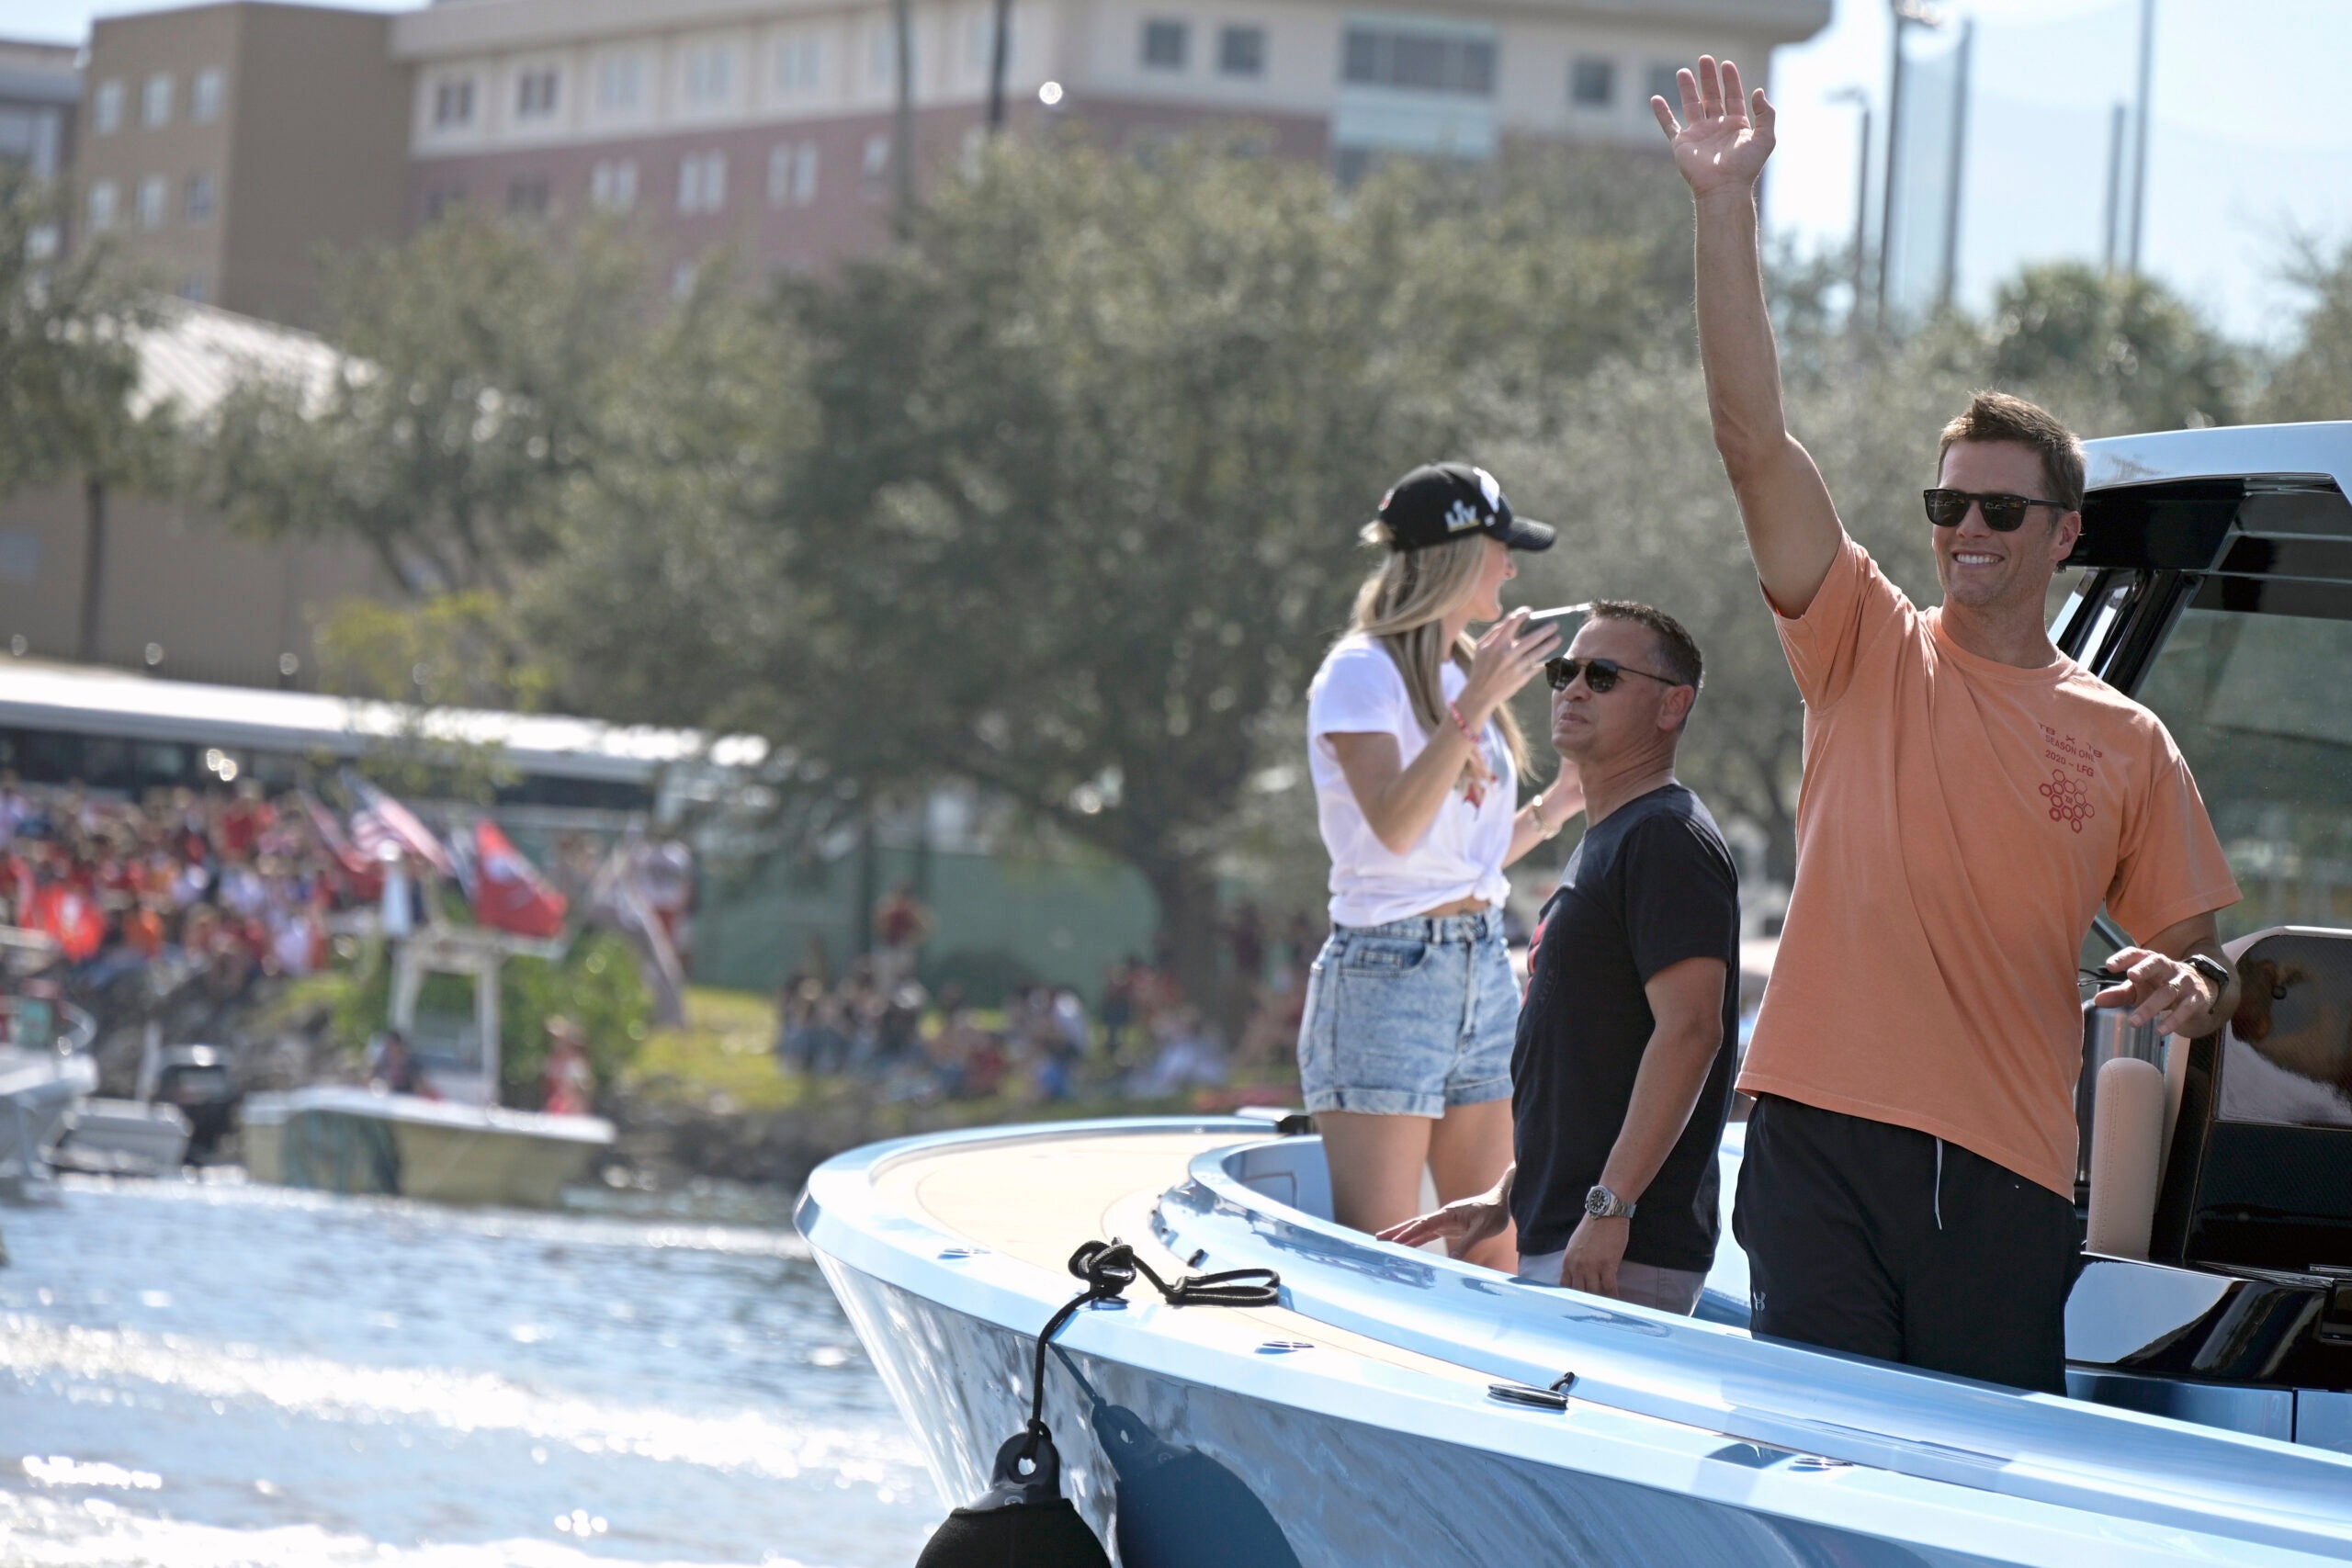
[{"x": 1410, "y": 1018}]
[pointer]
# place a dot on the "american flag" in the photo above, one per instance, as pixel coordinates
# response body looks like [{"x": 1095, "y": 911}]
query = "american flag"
[{"x": 381, "y": 822}]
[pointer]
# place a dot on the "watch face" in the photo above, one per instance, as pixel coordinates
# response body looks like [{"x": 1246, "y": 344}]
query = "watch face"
[{"x": 1596, "y": 1203}]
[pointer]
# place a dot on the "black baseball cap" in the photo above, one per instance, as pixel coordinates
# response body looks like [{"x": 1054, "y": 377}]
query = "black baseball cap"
[{"x": 1438, "y": 502}]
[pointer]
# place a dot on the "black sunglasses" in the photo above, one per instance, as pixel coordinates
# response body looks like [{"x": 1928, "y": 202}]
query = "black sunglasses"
[
  {"x": 2003, "y": 514},
  {"x": 1600, "y": 674}
]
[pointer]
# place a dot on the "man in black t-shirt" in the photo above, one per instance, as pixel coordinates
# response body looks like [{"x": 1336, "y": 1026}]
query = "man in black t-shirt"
[{"x": 1622, "y": 1076}]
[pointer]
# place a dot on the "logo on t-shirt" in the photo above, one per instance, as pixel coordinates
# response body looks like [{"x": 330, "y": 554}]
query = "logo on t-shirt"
[
  {"x": 2072, "y": 766},
  {"x": 2068, "y": 804}
]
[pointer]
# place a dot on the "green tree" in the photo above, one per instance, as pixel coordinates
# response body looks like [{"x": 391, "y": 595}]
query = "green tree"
[
  {"x": 2314, "y": 379},
  {"x": 68, "y": 361},
  {"x": 1074, "y": 502},
  {"x": 485, "y": 361},
  {"x": 2125, "y": 338}
]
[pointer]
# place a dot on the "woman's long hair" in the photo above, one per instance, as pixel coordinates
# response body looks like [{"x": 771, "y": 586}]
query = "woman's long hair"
[{"x": 1404, "y": 606}]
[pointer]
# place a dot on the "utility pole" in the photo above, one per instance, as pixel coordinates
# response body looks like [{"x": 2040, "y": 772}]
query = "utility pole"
[
  {"x": 902, "y": 131},
  {"x": 2113, "y": 232},
  {"x": 1905, "y": 13},
  {"x": 999, "y": 61},
  {"x": 1861, "y": 101},
  {"x": 2140, "y": 132},
  {"x": 1948, "y": 280}
]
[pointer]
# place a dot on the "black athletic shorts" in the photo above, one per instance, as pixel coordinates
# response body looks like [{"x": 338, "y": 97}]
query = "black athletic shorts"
[{"x": 1877, "y": 1240}]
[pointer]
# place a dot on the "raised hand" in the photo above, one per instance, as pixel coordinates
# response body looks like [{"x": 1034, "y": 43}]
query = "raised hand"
[{"x": 1724, "y": 136}]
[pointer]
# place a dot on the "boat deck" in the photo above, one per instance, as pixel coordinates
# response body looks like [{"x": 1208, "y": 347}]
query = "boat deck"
[{"x": 1038, "y": 1201}]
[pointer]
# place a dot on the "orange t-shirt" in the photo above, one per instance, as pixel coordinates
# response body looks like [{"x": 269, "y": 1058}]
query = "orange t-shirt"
[{"x": 1959, "y": 822}]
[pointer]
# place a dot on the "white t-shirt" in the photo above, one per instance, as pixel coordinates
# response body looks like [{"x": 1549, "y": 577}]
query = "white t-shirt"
[{"x": 1360, "y": 691}]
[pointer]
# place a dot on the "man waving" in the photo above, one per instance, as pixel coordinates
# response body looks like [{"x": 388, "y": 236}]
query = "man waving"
[{"x": 1970, "y": 797}]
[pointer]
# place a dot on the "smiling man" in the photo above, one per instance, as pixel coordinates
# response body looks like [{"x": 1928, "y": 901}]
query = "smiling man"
[
  {"x": 1621, "y": 1075},
  {"x": 1970, "y": 797}
]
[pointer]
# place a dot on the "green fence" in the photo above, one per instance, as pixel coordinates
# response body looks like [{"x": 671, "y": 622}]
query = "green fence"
[{"x": 995, "y": 920}]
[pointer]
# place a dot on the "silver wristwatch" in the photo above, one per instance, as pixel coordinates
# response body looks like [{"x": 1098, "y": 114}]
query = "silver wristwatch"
[{"x": 1603, "y": 1204}]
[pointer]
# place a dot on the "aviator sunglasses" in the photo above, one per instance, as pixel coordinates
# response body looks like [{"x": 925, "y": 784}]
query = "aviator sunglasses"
[
  {"x": 1600, "y": 674},
  {"x": 2003, "y": 514}
]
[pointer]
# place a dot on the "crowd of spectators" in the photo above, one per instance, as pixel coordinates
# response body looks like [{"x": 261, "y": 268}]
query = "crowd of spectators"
[
  {"x": 223, "y": 887},
  {"x": 1043, "y": 1043}
]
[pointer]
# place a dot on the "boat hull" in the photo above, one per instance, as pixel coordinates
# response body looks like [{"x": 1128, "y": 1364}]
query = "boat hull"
[
  {"x": 1182, "y": 1474},
  {"x": 1393, "y": 1407},
  {"x": 404, "y": 1146}
]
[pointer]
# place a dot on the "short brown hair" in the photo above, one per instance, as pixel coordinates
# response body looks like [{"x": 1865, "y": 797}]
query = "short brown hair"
[
  {"x": 1676, "y": 649},
  {"x": 1997, "y": 416}
]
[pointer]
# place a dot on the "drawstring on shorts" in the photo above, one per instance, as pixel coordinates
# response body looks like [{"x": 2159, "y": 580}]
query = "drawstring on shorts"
[{"x": 1939, "y": 1184}]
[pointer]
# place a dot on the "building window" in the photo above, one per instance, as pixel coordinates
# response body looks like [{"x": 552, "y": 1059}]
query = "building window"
[
  {"x": 800, "y": 64},
  {"x": 195, "y": 199},
  {"x": 42, "y": 242},
  {"x": 620, "y": 84},
  {"x": 791, "y": 173},
  {"x": 154, "y": 197},
  {"x": 195, "y": 287},
  {"x": 702, "y": 182},
  {"x": 204, "y": 99},
  {"x": 103, "y": 197},
  {"x": 440, "y": 201},
  {"x": 1592, "y": 83},
  {"x": 1664, "y": 85},
  {"x": 105, "y": 108},
  {"x": 156, "y": 100},
  {"x": 710, "y": 75},
  {"x": 1165, "y": 44},
  {"x": 883, "y": 55},
  {"x": 979, "y": 39},
  {"x": 527, "y": 195},
  {"x": 1241, "y": 51},
  {"x": 453, "y": 101},
  {"x": 876, "y": 180},
  {"x": 1419, "y": 62},
  {"x": 535, "y": 93},
  {"x": 613, "y": 185}
]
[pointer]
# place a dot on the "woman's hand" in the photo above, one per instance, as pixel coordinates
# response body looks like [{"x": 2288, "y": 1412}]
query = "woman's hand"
[
  {"x": 1501, "y": 663},
  {"x": 1461, "y": 1225}
]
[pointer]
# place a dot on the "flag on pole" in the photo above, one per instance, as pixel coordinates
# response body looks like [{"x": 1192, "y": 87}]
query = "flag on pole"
[
  {"x": 367, "y": 876},
  {"x": 508, "y": 893},
  {"x": 381, "y": 822}
]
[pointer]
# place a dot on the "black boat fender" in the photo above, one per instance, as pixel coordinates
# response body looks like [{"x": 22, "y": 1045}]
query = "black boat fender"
[{"x": 1022, "y": 1518}]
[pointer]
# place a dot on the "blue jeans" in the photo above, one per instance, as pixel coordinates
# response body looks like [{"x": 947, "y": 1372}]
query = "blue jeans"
[{"x": 1410, "y": 1018}]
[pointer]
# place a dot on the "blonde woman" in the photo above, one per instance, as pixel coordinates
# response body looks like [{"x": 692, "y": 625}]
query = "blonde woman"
[{"x": 1405, "y": 1049}]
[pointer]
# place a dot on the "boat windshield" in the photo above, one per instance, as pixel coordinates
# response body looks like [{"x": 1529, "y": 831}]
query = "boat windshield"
[{"x": 2259, "y": 705}]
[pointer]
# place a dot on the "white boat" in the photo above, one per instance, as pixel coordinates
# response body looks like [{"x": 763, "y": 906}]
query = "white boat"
[
  {"x": 45, "y": 1072},
  {"x": 346, "y": 1138},
  {"x": 1399, "y": 1407},
  {"x": 456, "y": 1146}
]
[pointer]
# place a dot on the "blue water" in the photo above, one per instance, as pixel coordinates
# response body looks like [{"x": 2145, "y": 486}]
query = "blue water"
[{"x": 199, "y": 1374}]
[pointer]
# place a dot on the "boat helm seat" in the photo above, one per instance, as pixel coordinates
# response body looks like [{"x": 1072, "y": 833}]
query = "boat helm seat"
[{"x": 2258, "y": 1172}]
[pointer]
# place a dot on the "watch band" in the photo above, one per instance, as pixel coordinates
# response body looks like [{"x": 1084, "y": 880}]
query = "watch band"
[{"x": 2213, "y": 969}]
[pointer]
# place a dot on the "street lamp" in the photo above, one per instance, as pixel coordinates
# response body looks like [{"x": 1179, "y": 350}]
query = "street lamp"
[{"x": 1861, "y": 101}]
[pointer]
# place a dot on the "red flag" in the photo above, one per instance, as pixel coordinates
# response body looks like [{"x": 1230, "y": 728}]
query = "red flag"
[
  {"x": 72, "y": 916},
  {"x": 509, "y": 894}
]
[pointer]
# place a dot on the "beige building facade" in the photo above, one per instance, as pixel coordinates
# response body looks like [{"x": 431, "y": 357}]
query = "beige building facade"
[
  {"x": 769, "y": 122},
  {"x": 225, "y": 147}
]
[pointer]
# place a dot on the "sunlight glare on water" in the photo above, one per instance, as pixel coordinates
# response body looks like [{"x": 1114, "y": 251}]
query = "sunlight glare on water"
[{"x": 194, "y": 1375}]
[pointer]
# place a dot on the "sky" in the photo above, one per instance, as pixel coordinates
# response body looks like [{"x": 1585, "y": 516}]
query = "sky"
[{"x": 2239, "y": 165}]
